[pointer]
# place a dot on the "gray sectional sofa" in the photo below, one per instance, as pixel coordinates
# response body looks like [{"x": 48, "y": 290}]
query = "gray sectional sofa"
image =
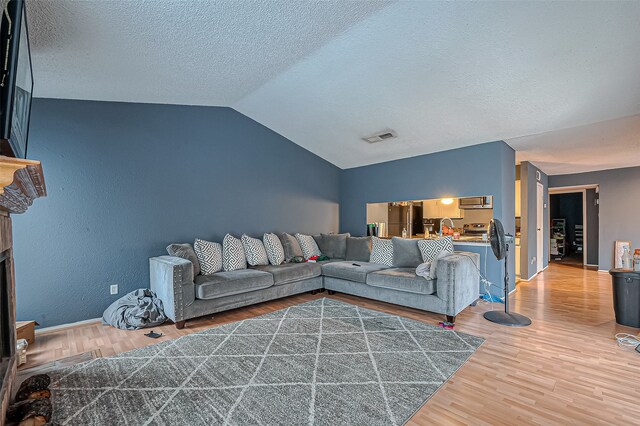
[{"x": 186, "y": 296}]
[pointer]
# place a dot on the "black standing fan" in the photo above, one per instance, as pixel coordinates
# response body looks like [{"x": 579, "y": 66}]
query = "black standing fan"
[{"x": 500, "y": 247}]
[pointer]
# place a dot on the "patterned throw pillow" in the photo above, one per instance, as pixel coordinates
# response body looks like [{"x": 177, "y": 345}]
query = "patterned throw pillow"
[
  {"x": 308, "y": 245},
  {"x": 254, "y": 250},
  {"x": 275, "y": 251},
  {"x": 209, "y": 255},
  {"x": 381, "y": 251},
  {"x": 233, "y": 257},
  {"x": 431, "y": 248}
]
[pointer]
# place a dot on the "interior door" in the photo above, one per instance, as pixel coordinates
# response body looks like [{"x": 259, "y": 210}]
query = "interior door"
[{"x": 540, "y": 227}]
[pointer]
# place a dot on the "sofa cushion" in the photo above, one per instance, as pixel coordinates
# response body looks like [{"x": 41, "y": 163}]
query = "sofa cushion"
[
  {"x": 291, "y": 272},
  {"x": 308, "y": 245},
  {"x": 381, "y": 251},
  {"x": 185, "y": 251},
  {"x": 233, "y": 282},
  {"x": 401, "y": 279},
  {"x": 430, "y": 248},
  {"x": 209, "y": 255},
  {"x": 334, "y": 246},
  {"x": 254, "y": 250},
  {"x": 406, "y": 253},
  {"x": 358, "y": 249},
  {"x": 351, "y": 271},
  {"x": 275, "y": 251},
  {"x": 233, "y": 257},
  {"x": 291, "y": 246}
]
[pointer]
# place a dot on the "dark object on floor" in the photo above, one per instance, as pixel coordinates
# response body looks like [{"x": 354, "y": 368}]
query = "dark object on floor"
[
  {"x": 136, "y": 310},
  {"x": 34, "y": 412},
  {"x": 153, "y": 334},
  {"x": 33, "y": 385},
  {"x": 446, "y": 325},
  {"x": 331, "y": 292},
  {"x": 356, "y": 264},
  {"x": 500, "y": 246},
  {"x": 626, "y": 296}
]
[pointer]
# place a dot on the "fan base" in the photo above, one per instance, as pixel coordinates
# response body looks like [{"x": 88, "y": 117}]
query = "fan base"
[{"x": 507, "y": 318}]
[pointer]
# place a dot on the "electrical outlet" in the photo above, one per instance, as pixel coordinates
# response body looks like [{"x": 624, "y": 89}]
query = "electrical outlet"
[
  {"x": 113, "y": 288},
  {"x": 533, "y": 260}
]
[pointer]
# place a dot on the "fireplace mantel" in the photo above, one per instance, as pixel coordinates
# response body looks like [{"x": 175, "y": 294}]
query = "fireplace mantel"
[{"x": 21, "y": 182}]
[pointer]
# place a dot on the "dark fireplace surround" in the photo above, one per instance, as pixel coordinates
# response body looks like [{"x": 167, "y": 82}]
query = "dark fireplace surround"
[{"x": 21, "y": 182}]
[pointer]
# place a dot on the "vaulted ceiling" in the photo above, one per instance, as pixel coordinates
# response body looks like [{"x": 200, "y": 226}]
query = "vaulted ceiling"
[{"x": 327, "y": 73}]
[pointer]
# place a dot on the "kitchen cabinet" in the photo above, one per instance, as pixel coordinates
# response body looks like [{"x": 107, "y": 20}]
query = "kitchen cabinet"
[
  {"x": 435, "y": 209},
  {"x": 518, "y": 260}
]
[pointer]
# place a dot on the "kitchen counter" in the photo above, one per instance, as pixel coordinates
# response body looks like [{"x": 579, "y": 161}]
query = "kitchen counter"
[{"x": 463, "y": 240}]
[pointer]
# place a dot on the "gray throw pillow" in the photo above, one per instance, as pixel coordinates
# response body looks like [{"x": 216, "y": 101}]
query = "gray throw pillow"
[
  {"x": 358, "y": 249},
  {"x": 185, "y": 251},
  {"x": 291, "y": 246},
  {"x": 406, "y": 253},
  {"x": 334, "y": 246}
]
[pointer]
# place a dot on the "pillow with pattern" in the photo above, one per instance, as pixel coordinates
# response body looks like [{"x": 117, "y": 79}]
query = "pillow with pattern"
[
  {"x": 273, "y": 246},
  {"x": 381, "y": 251},
  {"x": 431, "y": 248},
  {"x": 254, "y": 250},
  {"x": 209, "y": 255},
  {"x": 233, "y": 257},
  {"x": 308, "y": 245}
]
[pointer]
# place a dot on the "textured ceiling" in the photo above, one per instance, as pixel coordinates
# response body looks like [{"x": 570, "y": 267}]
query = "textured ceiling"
[
  {"x": 178, "y": 52},
  {"x": 599, "y": 146},
  {"x": 325, "y": 74}
]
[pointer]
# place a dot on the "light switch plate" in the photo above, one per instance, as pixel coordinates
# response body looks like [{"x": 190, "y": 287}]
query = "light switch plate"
[{"x": 113, "y": 288}]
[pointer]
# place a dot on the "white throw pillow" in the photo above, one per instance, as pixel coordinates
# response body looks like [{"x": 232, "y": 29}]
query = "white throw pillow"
[
  {"x": 308, "y": 245},
  {"x": 233, "y": 257},
  {"x": 381, "y": 251},
  {"x": 254, "y": 250},
  {"x": 209, "y": 255},
  {"x": 431, "y": 248},
  {"x": 273, "y": 246}
]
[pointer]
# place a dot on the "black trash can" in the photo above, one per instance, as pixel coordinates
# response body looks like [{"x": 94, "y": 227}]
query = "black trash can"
[{"x": 626, "y": 296}]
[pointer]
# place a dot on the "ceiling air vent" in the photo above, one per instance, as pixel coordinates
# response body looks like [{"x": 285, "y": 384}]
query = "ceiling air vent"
[{"x": 381, "y": 136}]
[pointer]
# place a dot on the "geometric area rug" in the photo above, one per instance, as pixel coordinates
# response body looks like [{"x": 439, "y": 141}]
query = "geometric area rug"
[{"x": 324, "y": 362}]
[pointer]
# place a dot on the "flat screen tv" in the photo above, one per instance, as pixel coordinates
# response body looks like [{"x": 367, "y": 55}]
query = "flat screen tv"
[{"x": 16, "y": 80}]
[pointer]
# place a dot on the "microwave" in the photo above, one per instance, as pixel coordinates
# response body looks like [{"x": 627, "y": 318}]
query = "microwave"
[{"x": 476, "y": 202}]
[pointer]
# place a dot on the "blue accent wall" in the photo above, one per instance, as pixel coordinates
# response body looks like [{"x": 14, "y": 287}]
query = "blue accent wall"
[
  {"x": 486, "y": 169},
  {"x": 124, "y": 180},
  {"x": 619, "y": 203}
]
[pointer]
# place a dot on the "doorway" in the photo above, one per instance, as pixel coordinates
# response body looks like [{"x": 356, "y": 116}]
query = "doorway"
[
  {"x": 539, "y": 227},
  {"x": 573, "y": 213}
]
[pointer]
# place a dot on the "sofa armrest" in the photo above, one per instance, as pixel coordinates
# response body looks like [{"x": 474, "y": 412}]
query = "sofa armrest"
[
  {"x": 172, "y": 281},
  {"x": 458, "y": 280}
]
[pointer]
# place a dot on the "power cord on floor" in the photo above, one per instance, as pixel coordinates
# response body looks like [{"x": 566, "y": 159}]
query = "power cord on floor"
[
  {"x": 628, "y": 341},
  {"x": 487, "y": 296}
]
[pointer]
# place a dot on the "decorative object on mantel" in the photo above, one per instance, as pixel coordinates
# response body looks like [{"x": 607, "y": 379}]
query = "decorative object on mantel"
[
  {"x": 21, "y": 182},
  {"x": 620, "y": 247}
]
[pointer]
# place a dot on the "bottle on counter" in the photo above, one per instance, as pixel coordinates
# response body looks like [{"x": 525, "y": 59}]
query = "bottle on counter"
[
  {"x": 626, "y": 259},
  {"x": 404, "y": 232},
  {"x": 636, "y": 260}
]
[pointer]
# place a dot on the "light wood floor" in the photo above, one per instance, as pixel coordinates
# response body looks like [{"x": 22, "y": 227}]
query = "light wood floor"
[{"x": 564, "y": 369}]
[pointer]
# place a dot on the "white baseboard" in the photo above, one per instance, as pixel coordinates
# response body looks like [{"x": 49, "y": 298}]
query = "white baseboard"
[
  {"x": 69, "y": 325},
  {"x": 603, "y": 271}
]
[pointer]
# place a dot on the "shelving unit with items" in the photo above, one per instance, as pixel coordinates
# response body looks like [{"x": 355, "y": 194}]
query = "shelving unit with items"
[{"x": 558, "y": 247}]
